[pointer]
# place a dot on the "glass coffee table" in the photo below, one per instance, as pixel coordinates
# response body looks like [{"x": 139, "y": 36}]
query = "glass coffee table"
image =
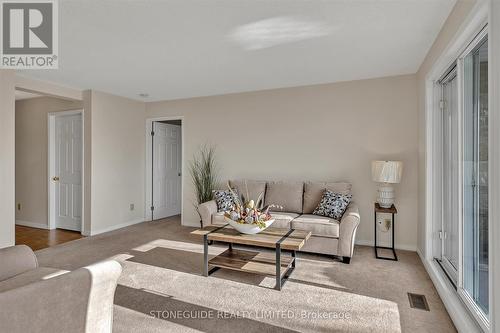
[{"x": 255, "y": 262}]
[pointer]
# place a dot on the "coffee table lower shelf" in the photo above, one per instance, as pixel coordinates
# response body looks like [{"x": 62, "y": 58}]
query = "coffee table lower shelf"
[
  {"x": 263, "y": 263},
  {"x": 255, "y": 262}
]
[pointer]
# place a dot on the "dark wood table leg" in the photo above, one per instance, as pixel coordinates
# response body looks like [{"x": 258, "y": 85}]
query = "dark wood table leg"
[
  {"x": 278, "y": 267},
  {"x": 205, "y": 255}
]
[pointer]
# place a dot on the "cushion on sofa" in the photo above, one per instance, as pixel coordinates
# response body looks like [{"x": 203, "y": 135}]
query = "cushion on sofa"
[
  {"x": 313, "y": 192},
  {"x": 285, "y": 194},
  {"x": 255, "y": 188},
  {"x": 224, "y": 199},
  {"x": 29, "y": 277},
  {"x": 333, "y": 204},
  {"x": 317, "y": 225},
  {"x": 283, "y": 219}
]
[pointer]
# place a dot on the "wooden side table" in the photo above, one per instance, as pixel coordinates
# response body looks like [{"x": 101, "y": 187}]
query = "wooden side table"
[{"x": 391, "y": 211}]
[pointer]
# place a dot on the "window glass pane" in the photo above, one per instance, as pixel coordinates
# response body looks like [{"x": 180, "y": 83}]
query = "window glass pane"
[
  {"x": 475, "y": 153},
  {"x": 450, "y": 235}
]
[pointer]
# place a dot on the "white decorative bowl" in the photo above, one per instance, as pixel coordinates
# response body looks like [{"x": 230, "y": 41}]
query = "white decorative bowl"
[{"x": 249, "y": 229}]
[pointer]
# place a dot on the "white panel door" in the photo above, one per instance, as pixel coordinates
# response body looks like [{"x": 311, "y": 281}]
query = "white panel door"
[
  {"x": 166, "y": 170},
  {"x": 68, "y": 172}
]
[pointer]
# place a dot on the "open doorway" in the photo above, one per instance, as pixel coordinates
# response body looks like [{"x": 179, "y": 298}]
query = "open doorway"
[
  {"x": 49, "y": 169},
  {"x": 164, "y": 168}
]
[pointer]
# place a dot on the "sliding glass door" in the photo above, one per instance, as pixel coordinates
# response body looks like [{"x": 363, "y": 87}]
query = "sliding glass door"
[
  {"x": 449, "y": 232},
  {"x": 475, "y": 177},
  {"x": 463, "y": 232}
]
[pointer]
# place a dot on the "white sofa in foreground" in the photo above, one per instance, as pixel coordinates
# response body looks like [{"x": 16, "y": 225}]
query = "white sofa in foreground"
[{"x": 42, "y": 299}]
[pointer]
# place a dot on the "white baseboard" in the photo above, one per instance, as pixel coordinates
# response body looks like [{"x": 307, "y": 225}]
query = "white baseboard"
[
  {"x": 116, "y": 226},
  {"x": 32, "y": 224},
  {"x": 456, "y": 309},
  {"x": 397, "y": 246}
]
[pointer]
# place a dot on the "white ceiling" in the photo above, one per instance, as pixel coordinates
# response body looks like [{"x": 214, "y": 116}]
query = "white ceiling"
[
  {"x": 184, "y": 48},
  {"x": 20, "y": 95}
]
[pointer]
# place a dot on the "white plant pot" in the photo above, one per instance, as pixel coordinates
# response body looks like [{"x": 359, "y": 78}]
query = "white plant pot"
[{"x": 249, "y": 229}]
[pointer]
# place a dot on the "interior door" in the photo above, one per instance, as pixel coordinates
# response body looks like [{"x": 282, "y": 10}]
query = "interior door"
[
  {"x": 68, "y": 172},
  {"x": 450, "y": 227},
  {"x": 166, "y": 170}
]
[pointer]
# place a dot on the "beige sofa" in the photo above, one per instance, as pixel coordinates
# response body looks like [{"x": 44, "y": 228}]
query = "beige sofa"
[
  {"x": 41, "y": 299},
  {"x": 299, "y": 200}
]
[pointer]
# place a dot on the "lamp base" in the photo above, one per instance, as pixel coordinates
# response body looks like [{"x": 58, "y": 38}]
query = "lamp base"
[{"x": 385, "y": 196}]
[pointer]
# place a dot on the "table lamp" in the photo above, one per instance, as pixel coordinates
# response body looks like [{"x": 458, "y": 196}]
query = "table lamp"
[{"x": 386, "y": 173}]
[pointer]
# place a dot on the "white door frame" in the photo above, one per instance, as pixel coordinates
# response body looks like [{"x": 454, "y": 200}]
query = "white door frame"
[
  {"x": 51, "y": 165},
  {"x": 148, "y": 173}
]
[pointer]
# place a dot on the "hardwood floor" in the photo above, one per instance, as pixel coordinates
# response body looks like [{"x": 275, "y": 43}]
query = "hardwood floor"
[{"x": 39, "y": 239}]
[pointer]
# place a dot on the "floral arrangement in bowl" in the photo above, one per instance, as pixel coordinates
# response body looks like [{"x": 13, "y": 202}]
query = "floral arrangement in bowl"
[{"x": 246, "y": 217}]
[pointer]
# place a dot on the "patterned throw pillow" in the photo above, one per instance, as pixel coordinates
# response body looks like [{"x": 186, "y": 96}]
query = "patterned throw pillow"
[
  {"x": 333, "y": 205},
  {"x": 224, "y": 200}
]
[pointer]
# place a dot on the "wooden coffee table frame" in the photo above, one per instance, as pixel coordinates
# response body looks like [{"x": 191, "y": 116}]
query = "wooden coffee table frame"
[{"x": 252, "y": 261}]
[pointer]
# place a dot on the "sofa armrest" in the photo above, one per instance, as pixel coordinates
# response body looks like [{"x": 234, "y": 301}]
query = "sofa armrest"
[
  {"x": 15, "y": 260},
  {"x": 347, "y": 233},
  {"x": 206, "y": 210},
  {"x": 78, "y": 301},
  {"x": 101, "y": 298}
]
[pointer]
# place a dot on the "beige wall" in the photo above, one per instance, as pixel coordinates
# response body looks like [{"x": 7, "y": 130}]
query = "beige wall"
[
  {"x": 117, "y": 162},
  {"x": 31, "y": 156},
  {"x": 7, "y": 157},
  {"x": 450, "y": 28},
  {"x": 114, "y": 159},
  {"x": 323, "y": 132}
]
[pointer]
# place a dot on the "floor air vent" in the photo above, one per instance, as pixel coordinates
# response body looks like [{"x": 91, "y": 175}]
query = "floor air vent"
[{"x": 418, "y": 301}]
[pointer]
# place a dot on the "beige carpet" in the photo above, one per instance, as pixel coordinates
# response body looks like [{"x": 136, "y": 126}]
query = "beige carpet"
[{"x": 161, "y": 289}]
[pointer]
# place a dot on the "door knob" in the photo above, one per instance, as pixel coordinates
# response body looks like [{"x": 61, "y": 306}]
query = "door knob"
[
  {"x": 179, "y": 174},
  {"x": 55, "y": 178}
]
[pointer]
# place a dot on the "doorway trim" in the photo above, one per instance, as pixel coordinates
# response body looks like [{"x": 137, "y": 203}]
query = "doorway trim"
[
  {"x": 148, "y": 172},
  {"x": 51, "y": 119}
]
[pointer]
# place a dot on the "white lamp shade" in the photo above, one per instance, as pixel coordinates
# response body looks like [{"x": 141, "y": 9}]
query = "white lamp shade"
[{"x": 387, "y": 171}]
